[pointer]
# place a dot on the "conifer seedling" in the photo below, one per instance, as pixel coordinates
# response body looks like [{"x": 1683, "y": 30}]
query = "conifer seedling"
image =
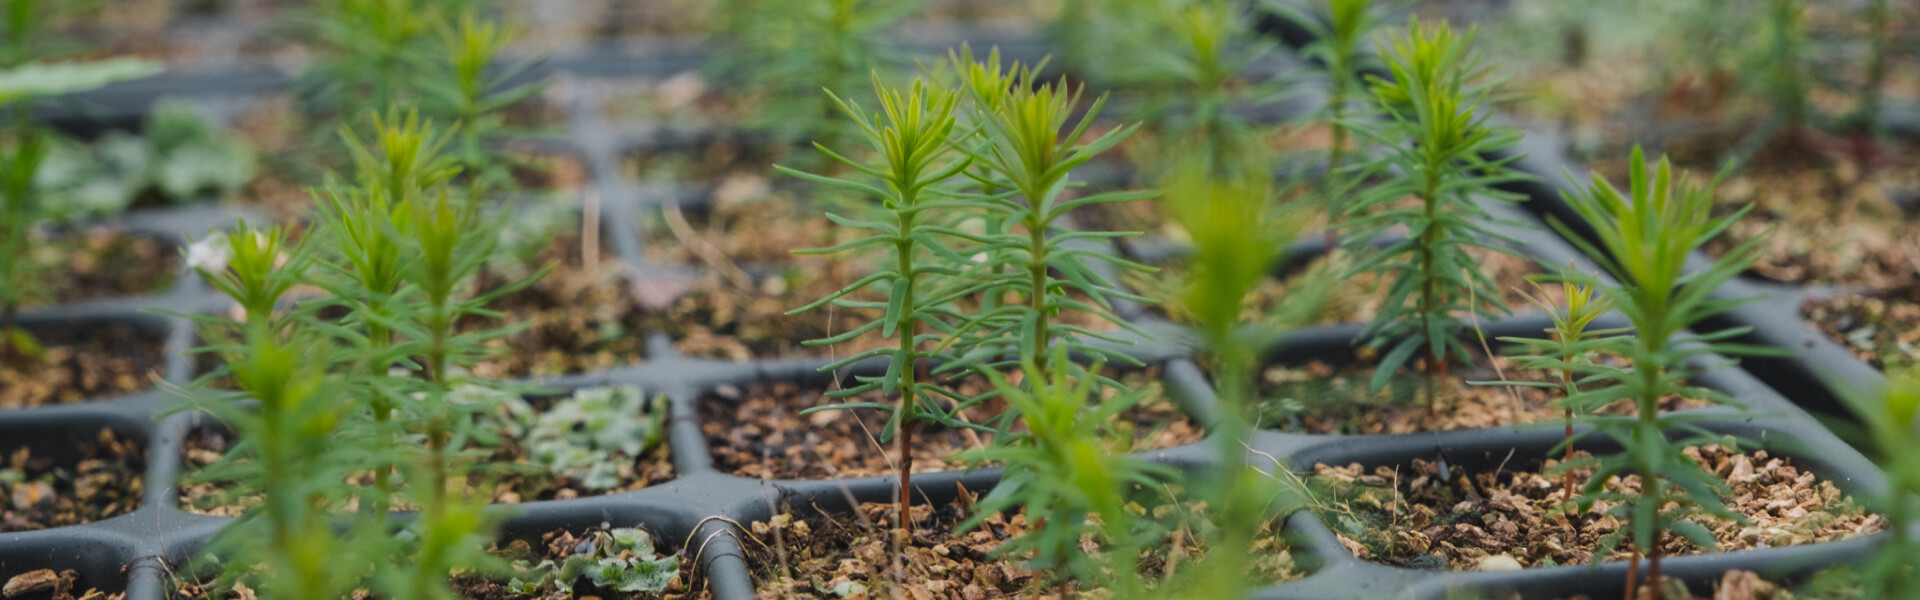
[
  {"x": 1028, "y": 147},
  {"x": 909, "y": 138},
  {"x": 1645, "y": 237},
  {"x": 1341, "y": 30},
  {"x": 1570, "y": 326},
  {"x": 1436, "y": 137}
]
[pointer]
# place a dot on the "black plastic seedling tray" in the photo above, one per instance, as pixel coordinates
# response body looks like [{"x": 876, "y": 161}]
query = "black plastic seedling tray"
[{"x": 697, "y": 511}]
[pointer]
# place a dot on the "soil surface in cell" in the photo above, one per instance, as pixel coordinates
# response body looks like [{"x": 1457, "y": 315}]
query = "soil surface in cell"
[
  {"x": 1348, "y": 298},
  {"x": 519, "y": 478},
  {"x": 1882, "y": 328},
  {"x": 41, "y": 493},
  {"x": 810, "y": 553},
  {"x": 1414, "y": 517},
  {"x": 580, "y": 317},
  {"x": 79, "y": 361},
  {"x": 676, "y": 574},
  {"x": 757, "y": 431},
  {"x": 1318, "y": 398},
  {"x": 745, "y": 278},
  {"x": 100, "y": 264},
  {"x": 1733, "y": 585}
]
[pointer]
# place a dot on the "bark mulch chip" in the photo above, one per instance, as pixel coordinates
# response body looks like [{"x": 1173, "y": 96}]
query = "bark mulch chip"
[
  {"x": 41, "y": 494},
  {"x": 757, "y": 431},
  {"x": 1416, "y": 518},
  {"x": 50, "y": 585},
  {"x": 82, "y": 361}
]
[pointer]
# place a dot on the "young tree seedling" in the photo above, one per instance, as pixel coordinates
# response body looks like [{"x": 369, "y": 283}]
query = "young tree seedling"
[
  {"x": 1886, "y": 422},
  {"x": 1645, "y": 238},
  {"x": 1341, "y": 30},
  {"x": 1026, "y": 148},
  {"x": 1570, "y": 322},
  {"x": 469, "y": 92},
  {"x": 786, "y": 50},
  {"x": 1435, "y": 140},
  {"x": 909, "y": 136},
  {"x": 1069, "y": 478},
  {"x": 1197, "y": 55},
  {"x": 288, "y": 447}
]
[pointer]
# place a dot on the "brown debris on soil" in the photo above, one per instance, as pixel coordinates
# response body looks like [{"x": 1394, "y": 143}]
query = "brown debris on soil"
[
  {"x": 811, "y": 553},
  {"x": 1880, "y": 328},
  {"x": 1354, "y": 299},
  {"x": 1516, "y": 512},
  {"x": 735, "y": 309},
  {"x": 1823, "y": 227},
  {"x": 40, "y": 494},
  {"x": 1318, "y": 398},
  {"x": 1734, "y": 585},
  {"x": 82, "y": 361},
  {"x": 759, "y": 432},
  {"x": 577, "y": 318},
  {"x": 101, "y": 264},
  {"x": 204, "y": 447}
]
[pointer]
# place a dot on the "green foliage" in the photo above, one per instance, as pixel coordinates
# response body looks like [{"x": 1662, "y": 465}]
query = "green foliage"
[
  {"x": 21, "y": 205},
  {"x": 470, "y": 90},
  {"x": 1068, "y": 470},
  {"x": 178, "y": 158},
  {"x": 370, "y": 47},
  {"x": 436, "y": 56},
  {"x": 621, "y": 559},
  {"x": 786, "y": 51},
  {"x": 37, "y": 79},
  {"x": 1238, "y": 232},
  {"x": 1570, "y": 321},
  {"x": 593, "y": 435},
  {"x": 1435, "y": 139},
  {"x": 1788, "y": 72},
  {"x": 1340, "y": 30},
  {"x": 19, "y": 210},
  {"x": 1237, "y": 237},
  {"x": 1027, "y": 146},
  {"x": 282, "y": 363},
  {"x": 1886, "y": 425},
  {"x": 1645, "y": 238},
  {"x": 909, "y": 138},
  {"x": 397, "y": 249},
  {"x": 1195, "y": 77},
  {"x": 1105, "y": 41}
]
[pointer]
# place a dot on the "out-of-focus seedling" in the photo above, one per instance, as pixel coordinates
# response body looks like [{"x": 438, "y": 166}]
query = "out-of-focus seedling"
[{"x": 21, "y": 207}]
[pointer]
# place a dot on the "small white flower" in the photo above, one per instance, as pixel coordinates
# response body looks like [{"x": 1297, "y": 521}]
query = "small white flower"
[{"x": 210, "y": 253}]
